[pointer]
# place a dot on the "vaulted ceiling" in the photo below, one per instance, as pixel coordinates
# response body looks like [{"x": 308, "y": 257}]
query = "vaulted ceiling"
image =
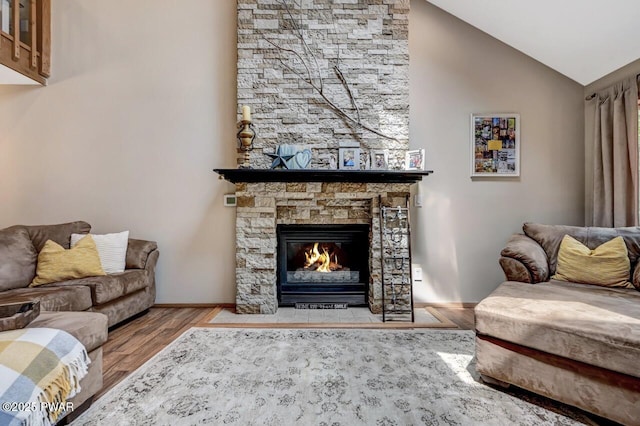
[{"x": 582, "y": 39}]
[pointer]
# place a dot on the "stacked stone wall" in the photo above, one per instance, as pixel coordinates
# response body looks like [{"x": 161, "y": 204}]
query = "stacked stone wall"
[
  {"x": 263, "y": 206},
  {"x": 366, "y": 39}
]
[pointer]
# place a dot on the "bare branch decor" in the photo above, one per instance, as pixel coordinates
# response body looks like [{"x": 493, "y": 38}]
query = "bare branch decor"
[
  {"x": 355, "y": 53},
  {"x": 303, "y": 62}
]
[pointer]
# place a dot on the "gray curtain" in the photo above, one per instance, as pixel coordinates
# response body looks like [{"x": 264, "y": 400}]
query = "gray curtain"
[{"x": 615, "y": 154}]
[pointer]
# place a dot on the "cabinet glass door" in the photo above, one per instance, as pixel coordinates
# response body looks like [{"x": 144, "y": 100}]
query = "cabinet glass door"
[
  {"x": 5, "y": 16},
  {"x": 25, "y": 28},
  {"x": 6, "y": 19}
]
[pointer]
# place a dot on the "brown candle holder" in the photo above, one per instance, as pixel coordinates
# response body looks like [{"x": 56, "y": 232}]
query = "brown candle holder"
[{"x": 246, "y": 136}]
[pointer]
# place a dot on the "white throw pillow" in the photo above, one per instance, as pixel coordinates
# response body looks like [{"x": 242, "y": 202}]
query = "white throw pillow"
[{"x": 112, "y": 249}]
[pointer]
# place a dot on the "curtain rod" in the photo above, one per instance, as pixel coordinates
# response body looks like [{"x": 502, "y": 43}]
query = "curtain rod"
[{"x": 593, "y": 95}]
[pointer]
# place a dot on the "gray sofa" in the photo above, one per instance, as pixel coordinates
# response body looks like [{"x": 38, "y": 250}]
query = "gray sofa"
[
  {"x": 118, "y": 296},
  {"x": 575, "y": 343}
]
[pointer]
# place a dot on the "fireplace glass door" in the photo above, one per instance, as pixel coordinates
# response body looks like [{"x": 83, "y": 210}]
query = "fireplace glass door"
[{"x": 319, "y": 264}]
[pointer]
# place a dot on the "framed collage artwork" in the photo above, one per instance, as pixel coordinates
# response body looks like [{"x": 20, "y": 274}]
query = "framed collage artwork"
[{"x": 495, "y": 145}]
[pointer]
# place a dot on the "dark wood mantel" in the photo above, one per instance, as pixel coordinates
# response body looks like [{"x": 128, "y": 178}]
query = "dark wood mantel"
[{"x": 310, "y": 175}]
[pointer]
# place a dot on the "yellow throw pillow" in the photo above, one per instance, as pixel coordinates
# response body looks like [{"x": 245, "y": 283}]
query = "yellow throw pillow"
[
  {"x": 57, "y": 264},
  {"x": 607, "y": 265}
]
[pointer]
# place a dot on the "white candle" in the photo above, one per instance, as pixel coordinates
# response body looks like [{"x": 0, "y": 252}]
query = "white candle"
[{"x": 246, "y": 113}]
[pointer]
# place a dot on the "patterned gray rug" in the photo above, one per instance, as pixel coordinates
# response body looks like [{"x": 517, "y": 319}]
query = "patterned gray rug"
[{"x": 313, "y": 377}]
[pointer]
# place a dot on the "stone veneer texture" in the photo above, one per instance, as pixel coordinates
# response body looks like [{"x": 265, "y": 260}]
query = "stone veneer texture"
[
  {"x": 367, "y": 39},
  {"x": 263, "y": 206}
]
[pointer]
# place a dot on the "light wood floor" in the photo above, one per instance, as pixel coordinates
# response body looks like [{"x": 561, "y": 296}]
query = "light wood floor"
[{"x": 134, "y": 343}]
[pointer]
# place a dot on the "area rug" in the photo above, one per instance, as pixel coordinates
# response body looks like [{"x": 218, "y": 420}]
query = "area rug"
[{"x": 313, "y": 377}]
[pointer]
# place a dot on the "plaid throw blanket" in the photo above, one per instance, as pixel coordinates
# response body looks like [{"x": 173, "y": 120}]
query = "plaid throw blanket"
[{"x": 40, "y": 368}]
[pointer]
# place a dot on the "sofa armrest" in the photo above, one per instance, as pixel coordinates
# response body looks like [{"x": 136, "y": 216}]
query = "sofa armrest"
[
  {"x": 138, "y": 253},
  {"x": 523, "y": 259},
  {"x": 635, "y": 279}
]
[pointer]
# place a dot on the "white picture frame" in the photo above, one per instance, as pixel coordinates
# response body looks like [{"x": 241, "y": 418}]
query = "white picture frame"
[
  {"x": 380, "y": 159},
  {"x": 495, "y": 145},
  {"x": 349, "y": 159},
  {"x": 414, "y": 160}
]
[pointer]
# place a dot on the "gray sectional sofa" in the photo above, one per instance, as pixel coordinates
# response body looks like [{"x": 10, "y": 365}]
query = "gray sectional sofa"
[{"x": 575, "y": 343}]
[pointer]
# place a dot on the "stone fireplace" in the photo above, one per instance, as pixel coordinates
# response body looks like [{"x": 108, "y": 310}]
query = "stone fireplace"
[
  {"x": 320, "y": 75},
  {"x": 262, "y": 206}
]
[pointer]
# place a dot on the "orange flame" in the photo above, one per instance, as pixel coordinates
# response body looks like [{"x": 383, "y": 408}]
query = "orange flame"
[{"x": 314, "y": 256}]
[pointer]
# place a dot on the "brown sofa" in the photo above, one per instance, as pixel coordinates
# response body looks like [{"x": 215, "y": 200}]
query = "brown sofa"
[
  {"x": 575, "y": 343},
  {"x": 90, "y": 328},
  {"x": 84, "y": 307},
  {"x": 118, "y": 296}
]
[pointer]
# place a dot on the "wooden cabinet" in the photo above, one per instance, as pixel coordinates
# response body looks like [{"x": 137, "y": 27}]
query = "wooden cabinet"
[{"x": 25, "y": 37}]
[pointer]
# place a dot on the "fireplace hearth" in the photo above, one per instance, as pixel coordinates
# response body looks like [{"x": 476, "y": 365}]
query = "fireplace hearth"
[
  {"x": 265, "y": 207},
  {"x": 323, "y": 264}
]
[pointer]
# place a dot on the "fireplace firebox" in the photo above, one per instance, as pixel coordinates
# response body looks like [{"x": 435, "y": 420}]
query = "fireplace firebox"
[{"x": 323, "y": 264}]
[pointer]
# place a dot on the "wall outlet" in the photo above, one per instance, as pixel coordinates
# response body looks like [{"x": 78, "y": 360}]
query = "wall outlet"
[
  {"x": 417, "y": 200},
  {"x": 417, "y": 273}
]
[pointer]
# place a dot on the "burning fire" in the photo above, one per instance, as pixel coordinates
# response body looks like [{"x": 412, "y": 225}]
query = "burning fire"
[{"x": 320, "y": 262}]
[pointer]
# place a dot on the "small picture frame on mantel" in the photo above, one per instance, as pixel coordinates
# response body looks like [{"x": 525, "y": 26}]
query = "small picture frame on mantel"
[
  {"x": 349, "y": 159},
  {"x": 380, "y": 159},
  {"x": 414, "y": 160}
]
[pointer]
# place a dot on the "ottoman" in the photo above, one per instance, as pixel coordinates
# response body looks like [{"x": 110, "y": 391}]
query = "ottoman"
[
  {"x": 90, "y": 328},
  {"x": 575, "y": 343}
]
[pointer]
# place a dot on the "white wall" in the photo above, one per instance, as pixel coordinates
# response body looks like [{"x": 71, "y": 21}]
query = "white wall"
[
  {"x": 139, "y": 109},
  {"x": 457, "y": 70},
  {"x": 141, "y": 106}
]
